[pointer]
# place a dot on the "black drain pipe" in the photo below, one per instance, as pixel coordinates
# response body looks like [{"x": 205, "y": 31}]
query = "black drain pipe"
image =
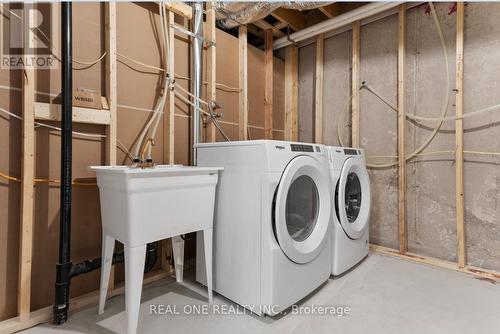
[
  {"x": 65, "y": 270},
  {"x": 63, "y": 267}
]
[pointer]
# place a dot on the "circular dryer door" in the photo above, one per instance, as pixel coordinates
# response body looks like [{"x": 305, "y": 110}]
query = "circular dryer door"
[
  {"x": 353, "y": 198},
  {"x": 302, "y": 209}
]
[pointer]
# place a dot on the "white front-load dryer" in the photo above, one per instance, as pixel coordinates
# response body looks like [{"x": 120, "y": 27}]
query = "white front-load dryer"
[
  {"x": 351, "y": 214},
  {"x": 271, "y": 227}
]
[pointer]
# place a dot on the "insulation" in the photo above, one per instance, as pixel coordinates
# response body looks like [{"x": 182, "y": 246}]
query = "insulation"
[
  {"x": 233, "y": 14},
  {"x": 430, "y": 210}
]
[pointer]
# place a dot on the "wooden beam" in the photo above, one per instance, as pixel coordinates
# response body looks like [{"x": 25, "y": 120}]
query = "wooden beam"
[
  {"x": 403, "y": 239},
  {"x": 293, "y": 18},
  {"x": 211, "y": 63},
  {"x": 267, "y": 26},
  {"x": 291, "y": 92},
  {"x": 459, "y": 141},
  {"x": 171, "y": 94},
  {"x": 355, "y": 84},
  {"x": 318, "y": 105},
  {"x": 75, "y": 304},
  {"x": 243, "y": 83},
  {"x": 330, "y": 10},
  {"x": 480, "y": 273},
  {"x": 268, "y": 84},
  {"x": 111, "y": 95},
  {"x": 180, "y": 8},
  {"x": 28, "y": 174},
  {"x": 52, "y": 112}
]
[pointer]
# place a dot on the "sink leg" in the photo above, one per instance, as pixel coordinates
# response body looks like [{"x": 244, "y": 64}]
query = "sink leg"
[
  {"x": 178, "y": 248},
  {"x": 134, "y": 272},
  {"x": 108, "y": 245},
  {"x": 207, "y": 242}
]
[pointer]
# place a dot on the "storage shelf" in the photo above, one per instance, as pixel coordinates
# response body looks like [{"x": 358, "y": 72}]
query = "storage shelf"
[{"x": 52, "y": 112}]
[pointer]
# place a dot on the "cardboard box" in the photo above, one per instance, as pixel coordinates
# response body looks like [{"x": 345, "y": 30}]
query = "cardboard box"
[{"x": 87, "y": 99}]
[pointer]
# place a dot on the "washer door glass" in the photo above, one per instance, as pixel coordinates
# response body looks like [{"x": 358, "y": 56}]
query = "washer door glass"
[
  {"x": 302, "y": 204},
  {"x": 352, "y": 197},
  {"x": 302, "y": 209}
]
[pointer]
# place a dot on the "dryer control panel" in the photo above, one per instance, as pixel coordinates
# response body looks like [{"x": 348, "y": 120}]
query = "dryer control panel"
[{"x": 305, "y": 148}]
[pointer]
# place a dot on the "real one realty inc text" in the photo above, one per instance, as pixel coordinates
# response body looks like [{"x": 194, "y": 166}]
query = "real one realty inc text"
[{"x": 225, "y": 309}]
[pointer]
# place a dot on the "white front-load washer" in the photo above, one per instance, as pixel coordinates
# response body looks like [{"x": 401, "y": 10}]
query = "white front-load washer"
[
  {"x": 351, "y": 213},
  {"x": 271, "y": 227}
]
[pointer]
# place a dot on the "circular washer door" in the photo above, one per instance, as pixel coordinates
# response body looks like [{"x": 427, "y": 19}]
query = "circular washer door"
[
  {"x": 353, "y": 198},
  {"x": 302, "y": 209}
]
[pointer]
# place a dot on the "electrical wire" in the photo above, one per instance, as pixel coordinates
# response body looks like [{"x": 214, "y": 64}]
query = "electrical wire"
[
  {"x": 423, "y": 118},
  {"x": 77, "y": 133},
  {"x": 445, "y": 102},
  {"x": 219, "y": 85}
]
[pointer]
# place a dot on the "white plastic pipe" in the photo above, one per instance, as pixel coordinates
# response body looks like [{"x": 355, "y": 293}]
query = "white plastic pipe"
[{"x": 336, "y": 23}]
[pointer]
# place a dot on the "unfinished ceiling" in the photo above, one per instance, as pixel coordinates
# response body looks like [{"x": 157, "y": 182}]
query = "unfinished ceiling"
[{"x": 281, "y": 17}]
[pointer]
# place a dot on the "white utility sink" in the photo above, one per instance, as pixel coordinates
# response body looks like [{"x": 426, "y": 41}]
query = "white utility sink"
[{"x": 139, "y": 206}]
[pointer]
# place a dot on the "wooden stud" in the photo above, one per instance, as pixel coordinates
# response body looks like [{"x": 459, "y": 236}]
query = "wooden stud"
[
  {"x": 356, "y": 29},
  {"x": 180, "y": 8},
  {"x": 267, "y": 26},
  {"x": 331, "y": 10},
  {"x": 28, "y": 174},
  {"x": 403, "y": 239},
  {"x": 459, "y": 142},
  {"x": 268, "y": 84},
  {"x": 318, "y": 105},
  {"x": 480, "y": 273},
  {"x": 111, "y": 80},
  {"x": 211, "y": 63},
  {"x": 75, "y": 304},
  {"x": 291, "y": 92},
  {"x": 171, "y": 94},
  {"x": 243, "y": 83},
  {"x": 111, "y": 94},
  {"x": 293, "y": 18}
]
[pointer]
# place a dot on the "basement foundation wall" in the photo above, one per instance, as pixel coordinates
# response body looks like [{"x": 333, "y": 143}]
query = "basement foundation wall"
[
  {"x": 137, "y": 93},
  {"x": 430, "y": 205}
]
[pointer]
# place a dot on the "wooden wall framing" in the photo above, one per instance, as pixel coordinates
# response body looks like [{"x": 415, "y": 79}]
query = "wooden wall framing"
[
  {"x": 243, "y": 84},
  {"x": 291, "y": 93},
  {"x": 403, "y": 253},
  {"x": 268, "y": 84},
  {"x": 211, "y": 63},
  {"x": 403, "y": 238},
  {"x": 356, "y": 45},
  {"x": 318, "y": 90},
  {"x": 459, "y": 129},
  {"x": 27, "y": 318}
]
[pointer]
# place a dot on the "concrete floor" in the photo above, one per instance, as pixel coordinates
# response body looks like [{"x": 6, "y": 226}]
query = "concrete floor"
[{"x": 385, "y": 295}]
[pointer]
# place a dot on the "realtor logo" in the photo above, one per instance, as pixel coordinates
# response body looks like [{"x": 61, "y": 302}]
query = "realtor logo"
[{"x": 26, "y": 40}]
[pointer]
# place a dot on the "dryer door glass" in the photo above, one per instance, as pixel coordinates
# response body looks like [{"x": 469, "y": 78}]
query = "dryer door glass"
[
  {"x": 302, "y": 204},
  {"x": 352, "y": 197}
]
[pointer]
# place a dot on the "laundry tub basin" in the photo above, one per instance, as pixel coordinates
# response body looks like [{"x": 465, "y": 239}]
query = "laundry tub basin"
[
  {"x": 139, "y": 206},
  {"x": 143, "y": 204}
]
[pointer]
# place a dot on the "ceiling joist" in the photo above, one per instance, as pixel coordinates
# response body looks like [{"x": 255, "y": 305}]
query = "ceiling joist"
[{"x": 293, "y": 18}]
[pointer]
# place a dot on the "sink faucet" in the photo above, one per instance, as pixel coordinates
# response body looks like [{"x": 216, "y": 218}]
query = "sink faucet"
[{"x": 145, "y": 163}]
